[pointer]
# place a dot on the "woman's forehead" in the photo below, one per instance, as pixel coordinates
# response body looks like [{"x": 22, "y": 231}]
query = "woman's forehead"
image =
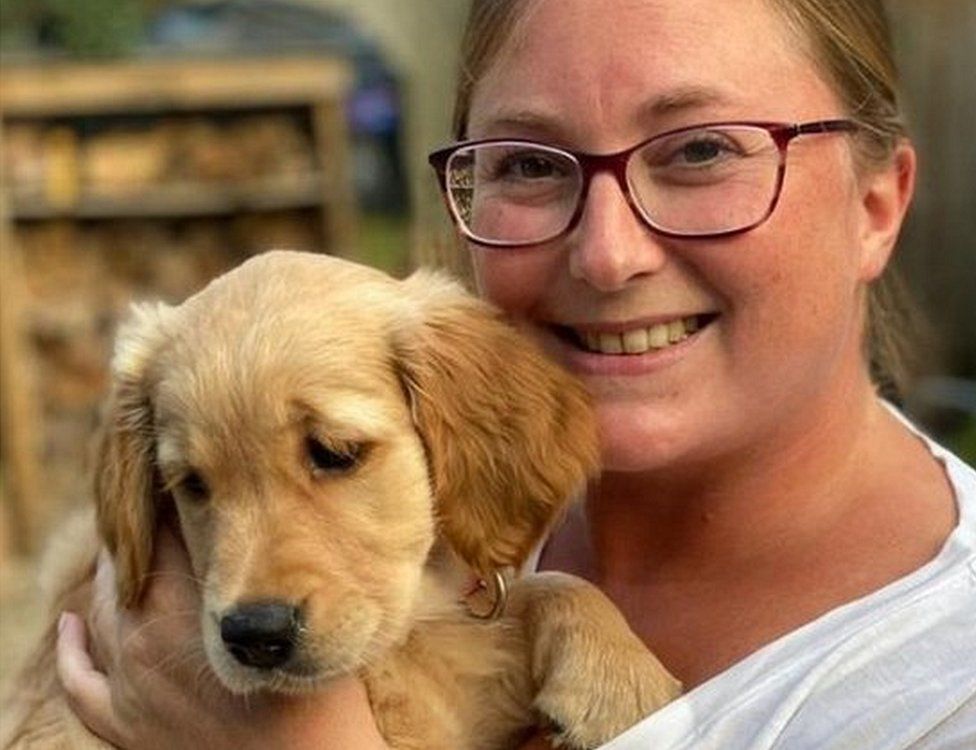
[{"x": 651, "y": 63}]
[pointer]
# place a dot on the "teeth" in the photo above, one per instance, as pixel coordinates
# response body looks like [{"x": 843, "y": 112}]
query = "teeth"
[
  {"x": 640, "y": 340},
  {"x": 611, "y": 343},
  {"x": 635, "y": 341},
  {"x": 657, "y": 336}
]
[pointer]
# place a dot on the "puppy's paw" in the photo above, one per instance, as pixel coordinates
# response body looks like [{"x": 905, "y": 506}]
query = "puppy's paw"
[
  {"x": 590, "y": 701},
  {"x": 595, "y": 677}
]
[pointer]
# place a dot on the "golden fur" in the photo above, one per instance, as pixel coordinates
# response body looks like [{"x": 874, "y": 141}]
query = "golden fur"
[{"x": 457, "y": 444}]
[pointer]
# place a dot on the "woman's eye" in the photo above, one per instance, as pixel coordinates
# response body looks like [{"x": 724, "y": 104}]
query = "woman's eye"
[
  {"x": 325, "y": 459},
  {"x": 527, "y": 166},
  {"x": 533, "y": 167},
  {"x": 194, "y": 486},
  {"x": 701, "y": 151}
]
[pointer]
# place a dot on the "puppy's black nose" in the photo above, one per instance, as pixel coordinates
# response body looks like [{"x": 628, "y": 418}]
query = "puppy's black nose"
[{"x": 261, "y": 635}]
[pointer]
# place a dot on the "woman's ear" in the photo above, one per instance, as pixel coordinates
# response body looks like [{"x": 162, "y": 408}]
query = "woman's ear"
[
  {"x": 125, "y": 479},
  {"x": 509, "y": 435},
  {"x": 886, "y": 194}
]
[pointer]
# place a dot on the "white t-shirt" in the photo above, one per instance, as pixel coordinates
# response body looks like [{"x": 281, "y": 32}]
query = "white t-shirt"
[{"x": 895, "y": 669}]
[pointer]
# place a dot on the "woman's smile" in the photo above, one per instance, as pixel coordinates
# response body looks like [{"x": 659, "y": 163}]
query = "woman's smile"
[{"x": 629, "y": 348}]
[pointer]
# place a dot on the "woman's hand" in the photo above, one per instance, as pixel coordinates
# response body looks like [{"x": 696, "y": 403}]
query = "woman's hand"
[{"x": 144, "y": 681}]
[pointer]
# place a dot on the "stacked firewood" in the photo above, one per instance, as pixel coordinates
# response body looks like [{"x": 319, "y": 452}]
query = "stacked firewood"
[
  {"x": 82, "y": 268},
  {"x": 116, "y": 158}
]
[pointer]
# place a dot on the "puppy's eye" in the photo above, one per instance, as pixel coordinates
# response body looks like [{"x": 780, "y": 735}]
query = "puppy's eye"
[
  {"x": 322, "y": 458},
  {"x": 194, "y": 486}
]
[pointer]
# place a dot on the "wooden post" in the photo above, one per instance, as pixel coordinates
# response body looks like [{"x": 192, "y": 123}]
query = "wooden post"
[
  {"x": 20, "y": 418},
  {"x": 339, "y": 201}
]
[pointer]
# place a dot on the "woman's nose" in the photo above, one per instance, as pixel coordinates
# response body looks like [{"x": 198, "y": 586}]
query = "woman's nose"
[{"x": 611, "y": 244}]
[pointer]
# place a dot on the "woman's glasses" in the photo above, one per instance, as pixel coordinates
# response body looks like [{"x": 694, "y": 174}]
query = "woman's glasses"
[{"x": 709, "y": 180}]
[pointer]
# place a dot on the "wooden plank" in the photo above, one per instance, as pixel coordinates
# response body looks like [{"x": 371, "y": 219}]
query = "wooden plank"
[
  {"x": 180, "y": 200},
  {"x": 339, "y": 202},
  {"x": 169, "y": 85},
  {"x": 20, "y": 425}
]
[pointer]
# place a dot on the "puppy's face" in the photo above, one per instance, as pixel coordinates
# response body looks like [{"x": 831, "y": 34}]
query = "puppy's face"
[
  {"x": 285, "y": 440},
  {"x": 311, "y": 497},
  {"x": 317, "y": 426}
]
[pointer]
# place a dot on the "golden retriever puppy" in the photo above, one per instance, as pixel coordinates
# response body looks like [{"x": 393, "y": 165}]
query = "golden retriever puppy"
[{"x": 345, "y": 452}]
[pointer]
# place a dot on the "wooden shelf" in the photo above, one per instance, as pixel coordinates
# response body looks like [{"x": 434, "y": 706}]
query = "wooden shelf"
[
  {"x": 61, "y": 90},
  {"x": 89, "y": 144},
  {"x": 177, "y": 200}
]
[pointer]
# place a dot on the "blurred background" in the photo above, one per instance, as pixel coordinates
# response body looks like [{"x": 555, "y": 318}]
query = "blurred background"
[{"x": 148, "y": 145}]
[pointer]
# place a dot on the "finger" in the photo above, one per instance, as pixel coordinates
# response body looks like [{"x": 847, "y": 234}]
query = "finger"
[
  {"x": 171, "y": 587},
  {"x": 103, "y": 614},
  {"x": 104, "y": 583},
  {"x": 87, "y": 689},
  {"x": 171, "y": 555}
]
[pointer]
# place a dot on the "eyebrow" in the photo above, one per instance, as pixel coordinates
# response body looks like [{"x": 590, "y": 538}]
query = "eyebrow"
[
  {"x": 542, "y": 124},
  {"x": 680, "y": 99},
  {"x": 525, "y": 122}
]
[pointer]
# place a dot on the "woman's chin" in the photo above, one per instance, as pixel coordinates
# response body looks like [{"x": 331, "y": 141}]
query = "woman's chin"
[{"x": 635, "y": 439}]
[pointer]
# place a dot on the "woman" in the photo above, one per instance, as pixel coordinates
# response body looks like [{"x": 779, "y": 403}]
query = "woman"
[{"x": 787, "y": 545}]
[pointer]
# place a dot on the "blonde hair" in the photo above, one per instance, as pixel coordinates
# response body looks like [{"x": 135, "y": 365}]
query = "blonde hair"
[
  {"x": 850, "y": 43},
  {"x": 490, "y": 24}
]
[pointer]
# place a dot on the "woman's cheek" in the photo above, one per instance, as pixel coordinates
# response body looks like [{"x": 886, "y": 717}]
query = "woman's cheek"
[{"x": 515, "y": 280}]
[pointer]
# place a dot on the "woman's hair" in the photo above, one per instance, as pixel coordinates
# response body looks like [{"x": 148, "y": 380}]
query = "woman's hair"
[
  {"x": 850, "y": 42},
  {"x": 491, "y": 23}
]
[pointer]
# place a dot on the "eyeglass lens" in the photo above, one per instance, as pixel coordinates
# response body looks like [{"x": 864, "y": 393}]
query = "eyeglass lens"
[{"x": 707, "y": 180}]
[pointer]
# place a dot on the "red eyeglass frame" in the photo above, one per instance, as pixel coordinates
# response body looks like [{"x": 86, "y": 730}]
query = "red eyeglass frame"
[{"x": 616, "y": 164}]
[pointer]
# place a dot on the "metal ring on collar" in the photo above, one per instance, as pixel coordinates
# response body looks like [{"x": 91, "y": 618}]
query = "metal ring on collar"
[{"x": 497, "y": 586}]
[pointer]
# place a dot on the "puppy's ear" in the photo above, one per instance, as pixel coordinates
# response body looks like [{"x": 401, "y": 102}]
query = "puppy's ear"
[
  {"x": 125, "y": 481},
  {"x": 509, "y": 435}
]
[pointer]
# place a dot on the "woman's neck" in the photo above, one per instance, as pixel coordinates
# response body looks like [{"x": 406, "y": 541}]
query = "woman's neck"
[{"x": 783, "y": 491}]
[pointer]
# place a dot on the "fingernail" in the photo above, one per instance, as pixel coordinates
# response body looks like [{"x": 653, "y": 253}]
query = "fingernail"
[{"x": 62, "y": 620}]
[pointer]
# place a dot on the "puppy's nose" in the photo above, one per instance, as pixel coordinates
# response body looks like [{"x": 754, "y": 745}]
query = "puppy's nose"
[{"x": 262, "y": 634}]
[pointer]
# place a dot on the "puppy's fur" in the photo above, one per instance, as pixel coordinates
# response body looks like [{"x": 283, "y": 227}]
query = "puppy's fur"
[{"x": 357, "y": 447}]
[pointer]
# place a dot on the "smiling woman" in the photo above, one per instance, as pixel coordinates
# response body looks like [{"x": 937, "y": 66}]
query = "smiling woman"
[
  {"x": 689, "y": 206},
  {"x": 766, "y": 407}
]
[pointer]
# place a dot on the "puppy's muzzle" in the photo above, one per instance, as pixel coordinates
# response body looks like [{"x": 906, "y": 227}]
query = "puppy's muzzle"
[{"x": 261, "y": 634}]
